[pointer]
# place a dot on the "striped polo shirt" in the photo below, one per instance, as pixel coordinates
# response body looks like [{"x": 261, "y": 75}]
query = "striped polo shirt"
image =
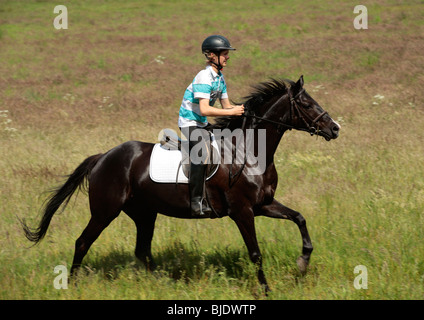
[{"x": 205, "y": 82}]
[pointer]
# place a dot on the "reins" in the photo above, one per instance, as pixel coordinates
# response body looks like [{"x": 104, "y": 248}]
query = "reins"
[{"x": 231, "y": 175}]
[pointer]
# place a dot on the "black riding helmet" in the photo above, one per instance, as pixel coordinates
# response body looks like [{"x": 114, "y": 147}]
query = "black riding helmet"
[{"x": 216, "y": 44}]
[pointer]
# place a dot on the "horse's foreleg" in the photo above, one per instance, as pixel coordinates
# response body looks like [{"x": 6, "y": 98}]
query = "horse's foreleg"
[
  {"x": 277, "y": 210},
  {"x": 246, "y": 225}
]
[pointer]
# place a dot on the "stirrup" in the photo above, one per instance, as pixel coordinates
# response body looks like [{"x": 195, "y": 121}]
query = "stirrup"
[{"x": 199, "y": 209}]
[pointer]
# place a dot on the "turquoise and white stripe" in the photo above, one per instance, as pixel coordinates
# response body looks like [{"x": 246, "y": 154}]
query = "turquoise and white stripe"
[{"x": 203, "y": 84}]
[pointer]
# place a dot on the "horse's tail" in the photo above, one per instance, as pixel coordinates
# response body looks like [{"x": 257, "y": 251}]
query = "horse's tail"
[{"x": 61, "y": 195}]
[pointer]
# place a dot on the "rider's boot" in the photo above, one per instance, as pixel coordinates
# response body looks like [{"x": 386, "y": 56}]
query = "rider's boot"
[{"x": 199, "y": 207}]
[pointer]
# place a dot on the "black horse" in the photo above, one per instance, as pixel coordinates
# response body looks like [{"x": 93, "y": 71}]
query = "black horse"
[{"x": 119, "y": 180}]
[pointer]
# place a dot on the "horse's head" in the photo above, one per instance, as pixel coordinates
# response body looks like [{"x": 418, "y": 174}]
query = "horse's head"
[
  {"x": 307, "y": 114},
  {"x": 285, "y": 105}
]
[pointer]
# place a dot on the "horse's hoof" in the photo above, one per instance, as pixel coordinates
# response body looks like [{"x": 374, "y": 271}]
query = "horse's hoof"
[
  {"x": 303, "y": 265},
  {"x": 266, "y": 290}
]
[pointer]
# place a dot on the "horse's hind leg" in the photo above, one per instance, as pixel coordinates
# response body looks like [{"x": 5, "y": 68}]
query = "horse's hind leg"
[
  {"x": 145, "y": 223},
  {"x": 94, "y": 228},
  {"x": 277, "y": 210}
]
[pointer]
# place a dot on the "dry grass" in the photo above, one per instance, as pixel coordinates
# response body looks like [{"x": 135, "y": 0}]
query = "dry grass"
[{"x": 118, "y": 73}]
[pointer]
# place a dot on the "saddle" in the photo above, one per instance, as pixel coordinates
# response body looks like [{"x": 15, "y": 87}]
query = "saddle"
[{"x": 169, "y": 165}]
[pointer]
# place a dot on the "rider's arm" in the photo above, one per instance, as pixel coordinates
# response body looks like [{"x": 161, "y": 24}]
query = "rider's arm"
[
  {"x": 226, "y": 104},
  {"x": 229, "y": 110}
]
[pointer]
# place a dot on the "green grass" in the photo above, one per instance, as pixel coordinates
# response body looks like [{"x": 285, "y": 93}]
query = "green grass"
[{"x": 77, "y": 92}]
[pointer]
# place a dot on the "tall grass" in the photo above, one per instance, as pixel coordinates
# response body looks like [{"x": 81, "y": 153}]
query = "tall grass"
[{"x": 81, "y": 91}]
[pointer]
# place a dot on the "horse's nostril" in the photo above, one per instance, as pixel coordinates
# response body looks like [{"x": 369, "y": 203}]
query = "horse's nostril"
[{"x": 336, "y": 129}]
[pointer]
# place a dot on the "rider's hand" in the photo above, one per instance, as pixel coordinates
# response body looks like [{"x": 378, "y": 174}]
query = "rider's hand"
[{"x": 238, "y": 110}]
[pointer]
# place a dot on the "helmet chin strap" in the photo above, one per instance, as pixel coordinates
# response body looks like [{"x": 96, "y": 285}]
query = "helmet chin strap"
[{"x": 217, "y": 65}]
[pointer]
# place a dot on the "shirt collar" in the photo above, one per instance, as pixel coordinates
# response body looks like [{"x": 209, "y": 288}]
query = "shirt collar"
[{"x": 214, "y": 74}]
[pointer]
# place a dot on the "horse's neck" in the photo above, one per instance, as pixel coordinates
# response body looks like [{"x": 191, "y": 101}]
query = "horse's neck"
[
  {"x": 274, "y": 132},
  {"x": 260, "y": 146},
  {"x": 273, "y": 138}
]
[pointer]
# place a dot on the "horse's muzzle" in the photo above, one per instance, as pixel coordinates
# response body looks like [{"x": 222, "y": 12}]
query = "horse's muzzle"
[
  {"x": 335, "y": 129},
  {"x": 330, "y": 132}
]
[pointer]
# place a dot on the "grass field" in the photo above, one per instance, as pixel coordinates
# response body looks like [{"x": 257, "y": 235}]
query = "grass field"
[{"x": 118, "y": 73}]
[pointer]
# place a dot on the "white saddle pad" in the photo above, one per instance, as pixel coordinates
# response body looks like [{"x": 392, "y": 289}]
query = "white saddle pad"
[{"x": 165, "y": 163}]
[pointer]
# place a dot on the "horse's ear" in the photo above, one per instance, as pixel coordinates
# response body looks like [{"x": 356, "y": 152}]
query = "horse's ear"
[{"x": 299, "y": 83}]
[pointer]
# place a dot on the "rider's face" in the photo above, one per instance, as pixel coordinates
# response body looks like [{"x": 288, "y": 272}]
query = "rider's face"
[{"x": 223, "y": 58}]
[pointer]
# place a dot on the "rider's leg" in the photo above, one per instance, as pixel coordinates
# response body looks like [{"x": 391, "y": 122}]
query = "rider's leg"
[{"x": 198, "y": 165}]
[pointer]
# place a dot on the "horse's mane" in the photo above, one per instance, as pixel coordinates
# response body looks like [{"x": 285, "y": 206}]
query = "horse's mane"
[{"x": 261, "y": 94}]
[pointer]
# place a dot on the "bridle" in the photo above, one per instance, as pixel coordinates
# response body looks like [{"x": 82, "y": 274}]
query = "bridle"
[{"x": 311, "y": 125}]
